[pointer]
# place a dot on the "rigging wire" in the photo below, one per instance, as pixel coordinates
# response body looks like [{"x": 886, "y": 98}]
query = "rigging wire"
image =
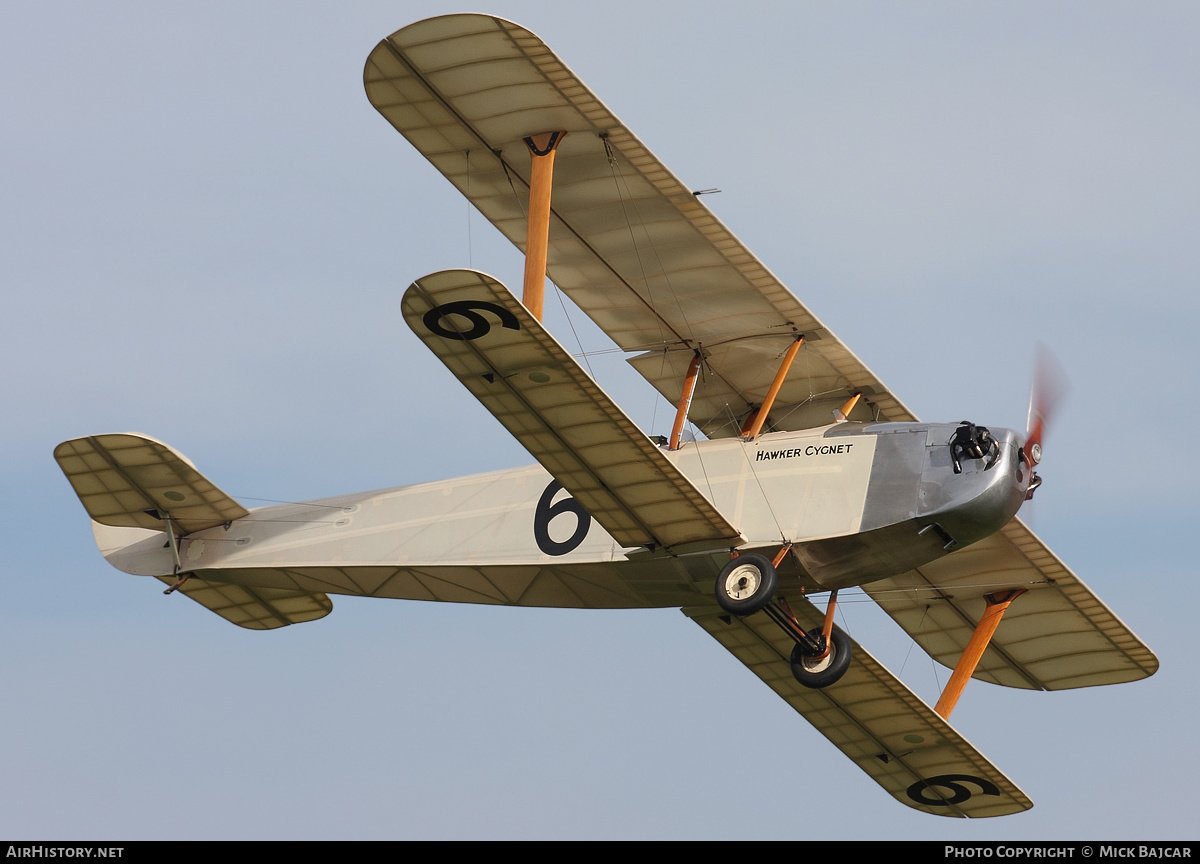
[
  {"x": 763, "y": 492},
  {"x": 654, "y": 249},
  {"x": 913, "y": 642},
  {"x": 859, "y": 594},
  {"x": 557, "y": 291},
  {"x": 470, "y": 248},
  {"x": 566, "y": 314},
  {"x": 294, "y": 503},
  {"x": 703, "y": 468},
  {"x": 612, "y": 167},
  {"x": 662, "y": 366}
]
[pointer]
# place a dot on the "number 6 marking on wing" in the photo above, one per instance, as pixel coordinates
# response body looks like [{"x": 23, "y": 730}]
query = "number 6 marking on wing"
[
  {"x": 546, "y": 512},
  {"x": 960, "y": 793},
  {"x": 467, "y": 309}
]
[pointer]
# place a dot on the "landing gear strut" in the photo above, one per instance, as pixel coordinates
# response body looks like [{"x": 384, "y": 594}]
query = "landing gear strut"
[{"x": 746, "y": 585}]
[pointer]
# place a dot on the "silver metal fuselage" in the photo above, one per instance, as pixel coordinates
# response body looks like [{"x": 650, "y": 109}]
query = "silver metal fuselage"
[{"x": 858, "y": 501}]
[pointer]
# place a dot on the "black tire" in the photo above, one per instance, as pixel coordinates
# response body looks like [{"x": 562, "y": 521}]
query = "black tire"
[
  {"x": 816, "y": 674},
  {"x": 746, "y": 584}
]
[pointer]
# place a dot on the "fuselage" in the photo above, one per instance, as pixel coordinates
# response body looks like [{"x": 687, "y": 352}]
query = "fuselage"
[{"x": 858, "y": 502}]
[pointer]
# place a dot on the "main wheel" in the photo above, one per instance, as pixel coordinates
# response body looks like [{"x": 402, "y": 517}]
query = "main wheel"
[
  {"x": 829, "y": 669},
  {"x": 746, "y": 584}
]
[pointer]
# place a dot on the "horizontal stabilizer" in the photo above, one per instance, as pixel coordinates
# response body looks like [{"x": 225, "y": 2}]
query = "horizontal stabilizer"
[
  {"x": 545, "y": 398},
  {"x": 133, "y": 481},
  {"x": 885, "y": 728},
  {"x": 255, "y": 608},
  {"x": 1056, "y": 636}
]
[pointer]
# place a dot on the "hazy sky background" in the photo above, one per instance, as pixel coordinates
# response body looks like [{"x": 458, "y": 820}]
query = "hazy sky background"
[{"x": 206, "y": 232}]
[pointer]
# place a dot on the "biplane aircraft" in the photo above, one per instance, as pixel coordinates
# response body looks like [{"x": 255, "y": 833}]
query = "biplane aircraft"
[{"x": 811, "y": 476}]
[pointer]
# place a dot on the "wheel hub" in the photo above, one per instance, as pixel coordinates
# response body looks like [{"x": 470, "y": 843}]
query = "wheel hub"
[
  {"x": 813, "y": 644},
  {"x": 742, "y": 582},
  {"x": 814, "y": 665}
]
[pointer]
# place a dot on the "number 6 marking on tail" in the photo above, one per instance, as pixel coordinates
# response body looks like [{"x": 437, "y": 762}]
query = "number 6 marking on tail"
[{"x": 546, "y": 512}]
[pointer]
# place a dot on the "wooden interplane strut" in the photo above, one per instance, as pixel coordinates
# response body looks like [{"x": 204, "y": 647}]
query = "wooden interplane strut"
[
  {"x": 841, "y": 414},
  {"x": 758, "y": 418},
  {"x": 537, "y": 233},
  {"x": 685, "y": 401},
  {"x": 972, "y": 654}
]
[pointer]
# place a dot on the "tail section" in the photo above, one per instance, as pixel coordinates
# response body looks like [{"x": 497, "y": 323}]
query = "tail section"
[
  {"x": 131, "y": 481},
  {"x": 134, "y": 481}
]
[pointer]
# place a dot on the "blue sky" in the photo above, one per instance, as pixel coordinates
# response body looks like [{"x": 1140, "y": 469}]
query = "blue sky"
[{"x": 206, "y": 233}]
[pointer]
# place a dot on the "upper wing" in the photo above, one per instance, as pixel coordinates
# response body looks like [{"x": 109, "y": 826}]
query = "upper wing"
[
  {"x": 1056, "y": 636},
  {"x": 874, "y": 719},
  {"x": 629, "y": 243},
  {"x": 554, "y": 408}
]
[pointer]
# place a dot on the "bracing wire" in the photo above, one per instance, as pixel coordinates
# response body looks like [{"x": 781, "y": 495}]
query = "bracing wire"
[
  {"x": 557, "y": 291},
  {"x": 470, "y": 247}
]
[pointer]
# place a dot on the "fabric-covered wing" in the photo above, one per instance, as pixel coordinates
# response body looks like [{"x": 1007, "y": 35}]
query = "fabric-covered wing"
[
  {"x": 885, "y": 728},
  {"x": 536, "y": 389},
  {"x": 1056, "y": 636},
  {"x": 130, "y": 480},
  {"x": 629, "y": 243}
]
